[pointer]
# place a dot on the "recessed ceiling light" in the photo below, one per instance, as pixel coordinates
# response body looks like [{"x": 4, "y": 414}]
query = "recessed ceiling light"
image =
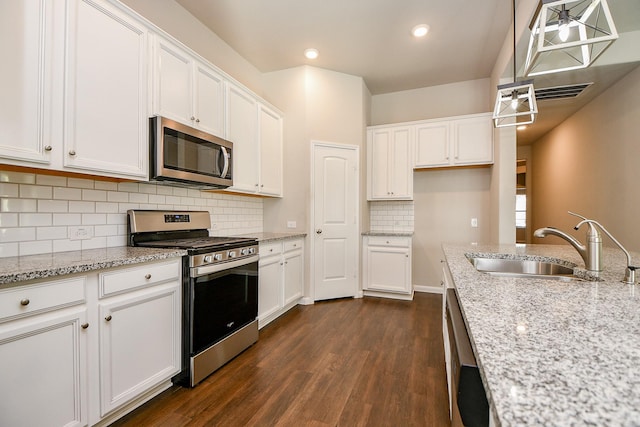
[
  {"x": 311, "y": 53},
  {"x": 420, "y": 30}
]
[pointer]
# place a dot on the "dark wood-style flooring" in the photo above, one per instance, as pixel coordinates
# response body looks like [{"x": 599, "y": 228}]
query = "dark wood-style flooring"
[{"x": 349, "y": 362}]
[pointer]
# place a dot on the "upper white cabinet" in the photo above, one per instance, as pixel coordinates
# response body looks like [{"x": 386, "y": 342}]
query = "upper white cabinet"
[
  {"x": 454, "y": 142},
  {"x": 187, "y": 90},
  {"x": 256, "y": 133},
  {"x": 105, "y": 114},
  {"x": 33, "y": 61},
  {"x": 75, "y": 89},
  {"x": 389, "y": 161}
]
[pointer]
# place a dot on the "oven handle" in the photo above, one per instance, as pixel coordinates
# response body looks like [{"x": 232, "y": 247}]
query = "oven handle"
[{"x": 202, "y": 271}]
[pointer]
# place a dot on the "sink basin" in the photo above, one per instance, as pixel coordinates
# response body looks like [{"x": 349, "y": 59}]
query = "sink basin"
[{"x": 523, "y": 268}]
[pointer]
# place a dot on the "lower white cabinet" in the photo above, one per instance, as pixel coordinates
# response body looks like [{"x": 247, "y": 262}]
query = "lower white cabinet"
[
  {"x": 65, "y": 364},
  {"x": 387, "y": 267},
  {"x": 280, "y": 278},
  {"x": 43, "y": 349}
]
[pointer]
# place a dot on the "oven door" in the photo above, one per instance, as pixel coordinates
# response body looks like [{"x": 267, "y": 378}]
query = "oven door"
[{"x": 223, "y": 299}]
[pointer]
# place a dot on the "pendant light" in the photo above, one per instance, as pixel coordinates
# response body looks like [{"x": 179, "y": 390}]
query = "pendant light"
[
  {"x": 515, "y": 102},
  {"x": 568, "y": 35}
]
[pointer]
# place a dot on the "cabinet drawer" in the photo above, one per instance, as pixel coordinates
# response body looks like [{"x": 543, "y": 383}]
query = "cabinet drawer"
[
  {"x": 402, "y": 242},
  {"x": 270, "y": 249},
  {"x": 118, "y": 281},
  {"x": 291, "y": 245},
  {"x": 38, "y": 298}
]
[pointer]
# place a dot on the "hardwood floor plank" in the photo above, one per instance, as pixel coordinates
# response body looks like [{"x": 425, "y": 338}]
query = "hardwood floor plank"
[{"x": 348, "y": 362}]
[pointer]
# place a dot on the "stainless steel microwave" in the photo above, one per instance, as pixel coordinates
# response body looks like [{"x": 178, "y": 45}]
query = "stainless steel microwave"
[{"x": 185, "y": 156}]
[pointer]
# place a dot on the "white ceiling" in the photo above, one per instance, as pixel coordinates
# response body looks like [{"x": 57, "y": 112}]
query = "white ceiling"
[{"x": 368, "y": 38}]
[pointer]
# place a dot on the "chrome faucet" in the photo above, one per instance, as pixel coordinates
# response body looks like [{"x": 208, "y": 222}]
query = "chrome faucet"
[{"x": 591, "y": 252}]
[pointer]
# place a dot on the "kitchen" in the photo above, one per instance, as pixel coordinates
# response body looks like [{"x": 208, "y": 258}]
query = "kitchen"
[{"x": 307, "y": 96}]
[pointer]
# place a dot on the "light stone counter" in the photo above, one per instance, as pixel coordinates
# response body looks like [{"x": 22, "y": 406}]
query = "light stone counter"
[
  {"x": 389, "y": 233},
  {"x": 17, "y": 269},
  {"x": 553, "y": 352}
]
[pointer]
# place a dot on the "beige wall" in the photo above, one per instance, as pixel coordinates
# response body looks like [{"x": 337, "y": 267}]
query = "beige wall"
[
  {"x": 590, "y": 164},
  {"x": 175, "y": 20}
]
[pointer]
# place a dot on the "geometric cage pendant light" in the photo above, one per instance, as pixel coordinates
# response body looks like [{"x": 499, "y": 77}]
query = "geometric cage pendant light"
[
  {"x": 568, "y": 35},
  {"x": 515, "y": 102}
]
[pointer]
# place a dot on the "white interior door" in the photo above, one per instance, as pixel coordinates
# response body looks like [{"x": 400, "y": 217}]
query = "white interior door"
[{"x": 335, "y": 210}]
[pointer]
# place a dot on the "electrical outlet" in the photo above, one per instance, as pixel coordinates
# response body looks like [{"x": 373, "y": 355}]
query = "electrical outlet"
[
  {"x": 291, "y": 224},
  {"x": 474, "y": 222},
  {"x": 80, "y": 233}
]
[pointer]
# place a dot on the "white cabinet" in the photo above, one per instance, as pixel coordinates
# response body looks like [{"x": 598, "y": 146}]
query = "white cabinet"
[
  {"x": 187, "y": 90},
  {"x": 256, "y": 133},
  {"x": 75, "y": 90},
  {"x": 32, "y": 47},
  {"x": 280, "y": 278},
  {"x": 454, "y": 142},
  {"x": 389, "y": 163},
  {"x": 387, "y": 266},
  {"x": 43, "y": 349},
  {"x": 139, "y": 331},
  {"x": 105, "y": 109}
]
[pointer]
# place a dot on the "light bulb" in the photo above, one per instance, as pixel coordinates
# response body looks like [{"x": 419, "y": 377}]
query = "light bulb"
[
  {"x": 563, "y": 24},
  {"x": 514, "y": 100},
  {"x": 311, "y": 53}
]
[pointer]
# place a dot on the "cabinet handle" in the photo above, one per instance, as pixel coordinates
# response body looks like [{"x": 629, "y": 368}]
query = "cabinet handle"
[
  {"x": 387, "y": 242},
  {"x": 147, "y": 276},
  {"x": 193, "y": 118},
  {"x": 24, "y": 301},
  {"x": 197, "y": 120},
  {"x": 271, "y": 250},
  {"x": 319, "y": 231},
  {"x": 256, "y": 185},
  {"x": 108, "y": 318},
  {"x": 84, "y": 325},
  {"x": 47, "y": 148},
  {"x": 261, "y": 185},
  {"x": 72, "y": 153},
  {"x": 282, "y": 263},
  {"x": 294, "y": 245}
]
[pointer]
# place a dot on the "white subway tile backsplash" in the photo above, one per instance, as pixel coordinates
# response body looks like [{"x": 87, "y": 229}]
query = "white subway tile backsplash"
[
  {"x": 36, "y": 211},
  {"x": 392, "y": 216}
]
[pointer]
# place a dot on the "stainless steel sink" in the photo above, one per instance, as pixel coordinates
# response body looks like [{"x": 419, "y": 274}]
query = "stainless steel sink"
[{"x": 523, "y": 268}]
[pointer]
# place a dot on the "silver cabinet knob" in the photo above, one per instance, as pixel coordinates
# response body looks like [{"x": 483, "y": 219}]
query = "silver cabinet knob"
[
  {"x": 24, "y": 301},
  {"x": 147, "y": 276},
  {"x": 319, "y": 231},
  {"x": 72, "y": 153},
  {"x": 193, "y": 118},
  {"x": 84, "y": 325},
  {"x": 197, "y": 120},
  {"x": 108, "y": 318},
  {"x": 47, "y": 148}
]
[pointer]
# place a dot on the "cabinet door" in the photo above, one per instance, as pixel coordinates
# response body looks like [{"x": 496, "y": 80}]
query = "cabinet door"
[
  {"x": 173, "y": 86},
  {"x": 139, "y": 343},
  {"x": 432, "y": 145},
  {"x": 473, "y": 141},
  {"x": 106, "y": 91},
  {"x": 242, "y": 130},
  {"x": 44, "y": 370},
  {"x": 270, "y": 137},
  {"x": 30, "y": 49},
  {"x": 208, "y": 100},
  {"x": 389, "y": 269},
  {"x": 269, "y": 287},
  {"x": 378, "y": 164},
  {"x": 293, "y": 276},
  {"x": 401, "y": 168}
]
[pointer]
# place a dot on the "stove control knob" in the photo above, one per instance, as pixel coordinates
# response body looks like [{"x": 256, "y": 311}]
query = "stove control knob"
[
  {"x": 244, "y": 251},
  {"x": 231, "y": 254},
  {"x": 208, "y": 258},
  {"x": 252, "y": 251},
  {"x": 217, "y": 257}
]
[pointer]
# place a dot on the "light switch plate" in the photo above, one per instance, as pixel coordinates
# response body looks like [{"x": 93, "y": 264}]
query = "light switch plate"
[{"x": 474, "y": 222}]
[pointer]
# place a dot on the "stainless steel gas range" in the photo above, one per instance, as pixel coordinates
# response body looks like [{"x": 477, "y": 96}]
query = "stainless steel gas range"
[{"x": 220, "y": 287}]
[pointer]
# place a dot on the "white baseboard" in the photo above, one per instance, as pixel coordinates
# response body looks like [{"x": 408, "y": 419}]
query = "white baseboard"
[
  {"x": 306, "y": 301},
  {"x": 428, "y": 289}
]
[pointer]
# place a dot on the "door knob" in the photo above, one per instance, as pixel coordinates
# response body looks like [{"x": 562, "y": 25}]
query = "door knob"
[{"x": 319, "y": 231}]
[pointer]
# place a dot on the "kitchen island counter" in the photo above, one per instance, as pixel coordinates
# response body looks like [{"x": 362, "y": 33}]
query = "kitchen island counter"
[{"x": 552, "y": 352}]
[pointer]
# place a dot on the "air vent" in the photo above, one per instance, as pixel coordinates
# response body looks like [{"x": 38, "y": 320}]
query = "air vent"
[{"x": 561, "y": 92}]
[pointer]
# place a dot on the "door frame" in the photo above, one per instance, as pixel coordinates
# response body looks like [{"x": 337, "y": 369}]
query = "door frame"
[{"x": 310, "y": 299}]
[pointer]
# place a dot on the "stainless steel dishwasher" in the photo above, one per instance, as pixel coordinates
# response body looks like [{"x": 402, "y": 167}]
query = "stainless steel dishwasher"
[{"x": 469, "y": 401}]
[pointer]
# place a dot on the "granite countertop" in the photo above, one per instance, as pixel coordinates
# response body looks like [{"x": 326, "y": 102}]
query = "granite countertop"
[
  {"x": 553, "y": 352},
  {"x": 16, "y": 269},
  {"x": 269, "y": 237},
  {"x": 389, "y": 233}
]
